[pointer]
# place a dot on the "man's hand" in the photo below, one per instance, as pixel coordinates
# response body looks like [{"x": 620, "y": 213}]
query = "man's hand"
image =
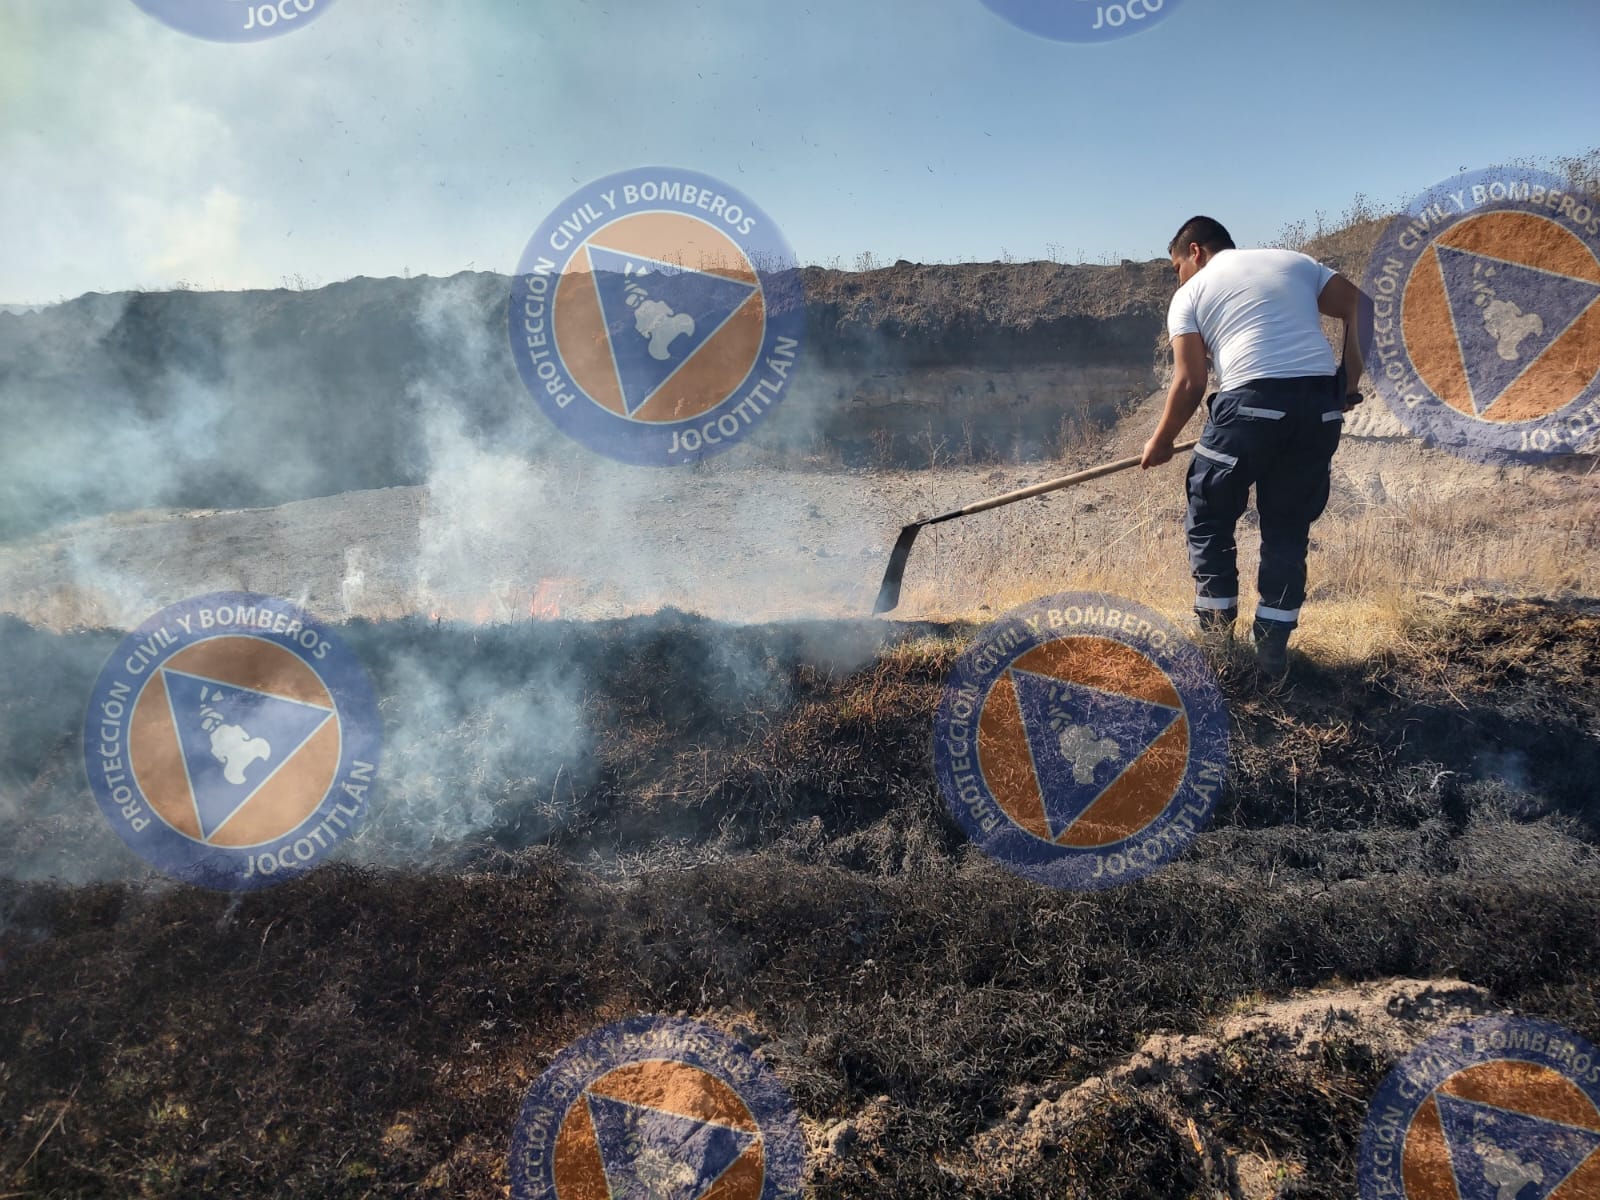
[
  {"x": 1346, "y": 302},
  {"x": 1156, "y": 451},
  {"x": 1183, "y": 398}
]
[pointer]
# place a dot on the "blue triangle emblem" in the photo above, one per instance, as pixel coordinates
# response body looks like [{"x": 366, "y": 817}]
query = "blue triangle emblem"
[
  {"x": 649, "y": 1154},
  {"x": 657, "y": 316},
  {"x": 233, "y": 739},
  {"x": 1082, "y": 739},
  {"x": 1497, "y": 1154},
  {"x": 1506, "y": 315}
]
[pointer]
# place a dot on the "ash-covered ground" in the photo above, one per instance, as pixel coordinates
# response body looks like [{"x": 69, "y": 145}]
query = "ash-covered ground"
[
  {"x": 644, "y": 753},
  {"x": 581, "y": 821}
]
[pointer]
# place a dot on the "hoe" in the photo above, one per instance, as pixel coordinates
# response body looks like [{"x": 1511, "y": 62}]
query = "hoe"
[{"x": 889, "y": 593}]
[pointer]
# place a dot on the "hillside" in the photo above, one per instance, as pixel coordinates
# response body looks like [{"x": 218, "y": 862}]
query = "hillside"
[
  {"x": 249, "y": 398},
  {"x": 644, "y": 753}
]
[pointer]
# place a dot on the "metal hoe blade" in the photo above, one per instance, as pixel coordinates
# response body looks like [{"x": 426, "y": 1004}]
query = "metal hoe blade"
[{"x": 889, "y": 593}]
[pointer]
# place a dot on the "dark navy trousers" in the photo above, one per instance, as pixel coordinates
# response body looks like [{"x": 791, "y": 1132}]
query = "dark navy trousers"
[{"x": 1278, "y": 436}]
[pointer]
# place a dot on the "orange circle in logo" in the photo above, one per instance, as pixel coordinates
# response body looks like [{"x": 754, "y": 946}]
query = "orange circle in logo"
[
  {"x": 1511, "y": 1085},
  {"x": 671, "y": 241},
  {"x": 288, "y": 796},
  {"x": 1143, "y": 789},
  {"x": 658, "y": 1086},
  {"x": 1433, "y": 340}
]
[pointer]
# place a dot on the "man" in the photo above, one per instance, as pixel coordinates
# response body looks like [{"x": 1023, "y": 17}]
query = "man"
[{"x": 1274, "y": 424}]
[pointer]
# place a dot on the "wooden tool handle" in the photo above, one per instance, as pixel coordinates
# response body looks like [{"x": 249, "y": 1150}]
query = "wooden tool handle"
[{"x": 1050, "y": 485}]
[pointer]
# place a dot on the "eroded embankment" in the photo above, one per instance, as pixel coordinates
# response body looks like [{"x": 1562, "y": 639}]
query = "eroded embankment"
[
  {"x": 774, "y": 857},
  {"x": 248, "y": 399}
]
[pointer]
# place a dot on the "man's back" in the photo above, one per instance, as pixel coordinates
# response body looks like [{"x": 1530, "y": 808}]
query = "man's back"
[
  {"x": 1273, "y": 428},
  {"x": 1256, "y": 310}
]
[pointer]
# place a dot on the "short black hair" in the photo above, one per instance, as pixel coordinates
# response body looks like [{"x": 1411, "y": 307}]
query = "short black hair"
[{"x": 1206, "y": 232}]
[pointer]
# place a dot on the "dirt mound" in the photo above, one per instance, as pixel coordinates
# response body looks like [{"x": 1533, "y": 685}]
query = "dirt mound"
[
  {"x": 1002, "y": 313},
  {"x": 228, "y": 400},
  {"x": 1348, "y": 249},
  {"x": 748, "y": 831},
  {"x": 1309, "y": 1041}
]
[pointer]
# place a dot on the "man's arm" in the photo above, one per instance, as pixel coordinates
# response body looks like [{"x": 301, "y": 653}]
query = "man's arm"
[
  {"x": 1344, "y": 301},
  {"x": 1183, "y": 398}
]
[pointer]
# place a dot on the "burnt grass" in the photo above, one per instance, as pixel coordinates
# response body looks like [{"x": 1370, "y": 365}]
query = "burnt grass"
[{"x": 750, "y": 834}]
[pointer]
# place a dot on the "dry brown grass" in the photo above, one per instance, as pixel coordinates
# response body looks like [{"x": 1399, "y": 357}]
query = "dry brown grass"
[{"x": 1372, "y": 563}]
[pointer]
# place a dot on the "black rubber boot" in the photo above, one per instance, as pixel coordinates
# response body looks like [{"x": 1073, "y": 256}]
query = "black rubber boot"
[{"x": 1272, "y": 647}]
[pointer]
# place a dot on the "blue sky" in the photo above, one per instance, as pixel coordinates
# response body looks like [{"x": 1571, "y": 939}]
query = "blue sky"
[{"x": 433, "y": 135}]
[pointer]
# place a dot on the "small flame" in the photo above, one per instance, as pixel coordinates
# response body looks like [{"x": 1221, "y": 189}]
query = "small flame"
[
  {"x": 501, "y": 604},
  {"x": 547, "y": 598}
]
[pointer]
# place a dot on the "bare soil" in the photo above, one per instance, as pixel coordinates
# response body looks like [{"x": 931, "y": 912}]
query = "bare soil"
[{"x": 495, "y": 538}]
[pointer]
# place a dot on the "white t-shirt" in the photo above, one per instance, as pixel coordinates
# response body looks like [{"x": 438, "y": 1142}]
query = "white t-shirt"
[{"x": 1257, "y": 312}]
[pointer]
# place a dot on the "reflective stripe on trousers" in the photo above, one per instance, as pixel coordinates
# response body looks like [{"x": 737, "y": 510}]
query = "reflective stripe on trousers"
[{"x": 1279, "y": 437}]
